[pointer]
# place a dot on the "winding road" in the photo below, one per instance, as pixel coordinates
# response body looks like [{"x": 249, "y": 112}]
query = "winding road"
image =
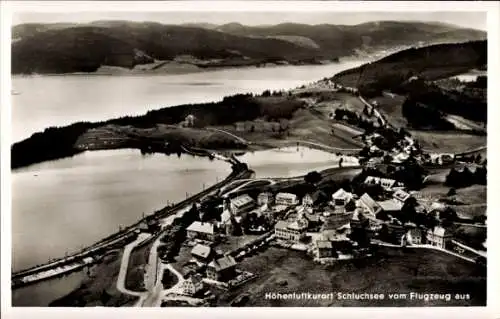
[{"x": 122, "y": 275}]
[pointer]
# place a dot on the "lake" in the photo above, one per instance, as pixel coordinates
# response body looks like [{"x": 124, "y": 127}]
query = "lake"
[
  {"x": 292, "y": 161},
  {"x": 44, "y": 101},
  {"x": 60, "y": 206}
]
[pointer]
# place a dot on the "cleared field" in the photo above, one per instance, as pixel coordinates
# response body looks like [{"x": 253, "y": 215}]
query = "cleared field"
[
  {"x": 390, "y": 271},
  {"x": 448, "y": 142},
  {"x": 470, "y": 211},
  {"x": 304, "y": 125},
  {"x": 472, "y": 195}
]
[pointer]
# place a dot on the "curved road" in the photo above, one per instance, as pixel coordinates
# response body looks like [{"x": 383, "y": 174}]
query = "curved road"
[{"x": 122, "y": 275}]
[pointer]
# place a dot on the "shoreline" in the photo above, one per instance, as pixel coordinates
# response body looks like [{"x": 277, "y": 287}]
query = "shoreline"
[{"x": 179, "y": 69}]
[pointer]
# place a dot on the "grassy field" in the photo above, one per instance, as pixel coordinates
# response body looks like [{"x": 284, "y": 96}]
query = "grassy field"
[
  {"x": 304, "y": 125},
  {"x": 135, "y": 272},
  {"x": 391, "y": 107},
  {"x": 448, "y": 142},
  {"x": 100, "y": 288},
  {"x": 182, "y": 258},
  {"x": 470, "y": 235},
  {"x": 390, "y": 271}
]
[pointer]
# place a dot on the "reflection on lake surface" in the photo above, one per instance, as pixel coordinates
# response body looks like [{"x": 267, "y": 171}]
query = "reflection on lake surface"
[
  {"x": 43, "y": 293},
  {"x": 63, "y": 205},
  {"x": 292, "y": 161},
  {"x": 60, "y": 206}
]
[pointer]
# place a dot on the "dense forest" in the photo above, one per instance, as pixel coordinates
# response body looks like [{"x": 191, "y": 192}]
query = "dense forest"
[
  {"x": 66, "y": 47},
  {"x": 412, "y": 72}
]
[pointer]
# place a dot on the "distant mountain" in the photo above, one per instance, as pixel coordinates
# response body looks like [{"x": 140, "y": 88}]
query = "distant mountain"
[
  {"x": 338, "y": 39},
  {"x": 67, "y": 47}
]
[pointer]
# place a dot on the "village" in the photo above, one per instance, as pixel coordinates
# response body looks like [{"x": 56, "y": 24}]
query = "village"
[{"x": 379, "y": 207}]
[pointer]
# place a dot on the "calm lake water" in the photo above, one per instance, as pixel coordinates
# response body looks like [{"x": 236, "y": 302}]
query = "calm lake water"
[
  {"x": 292, "y": 161},
  {"x": 46, "y": 101},
  {"x": 63, "y": 205}
]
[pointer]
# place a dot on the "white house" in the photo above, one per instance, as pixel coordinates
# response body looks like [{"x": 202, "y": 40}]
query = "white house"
[
  {"x": 386, "y": 183},
  {"x": 307, "y": 201},
  {"x": 368, "y": 205},
  {"x": 201, "y": 230},
  {"x": 286, "y": 199},
  {"x": 201, "y": 252},
  {"x": 265, "y": 198},
  {"x": 192, "y": 285},
  {"x": 438, "y": 237},
  {"x": 414, "y": 236},
  {"x": 293, "y": 231},
  {"x": 341, "y": 197},
  {"x": 242, "y": 203},
  {"x": 401, "y": 195}
]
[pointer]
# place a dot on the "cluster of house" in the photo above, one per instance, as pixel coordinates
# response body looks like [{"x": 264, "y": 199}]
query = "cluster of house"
[
  {"x": 215, "y": 265},
  {"x": 334, "y": 220},
  {"x": 346, "y": 211}
]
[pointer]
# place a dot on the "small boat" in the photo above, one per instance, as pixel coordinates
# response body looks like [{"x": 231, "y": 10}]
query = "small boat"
[{"x": 14, "y": 92}]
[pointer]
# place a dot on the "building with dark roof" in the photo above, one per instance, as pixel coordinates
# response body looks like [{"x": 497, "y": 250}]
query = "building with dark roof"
[{"x": 222, "y": 269}]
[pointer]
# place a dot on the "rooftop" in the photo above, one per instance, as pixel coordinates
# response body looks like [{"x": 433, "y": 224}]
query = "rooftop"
[
  {"x": 281, "y": 224},
  {"x": 223, "y": 263},
  {"x": 342, "y": 194},
  {"x": 298, "y": 225},
  {"x": 195, "y": 279},
  {"x": 201, "y": 250},
  {"x": 440, "y": 231},
  {"x": 286, "y": 196},
  {"x": 325, "y": 244},
  {"x": 386, "y": 182},
  {"x": 391, "y": 205},
  {"x": 369, "y": 202},
  {"x": 242, "y": 200},
  {"x": 401, "y": 195},
  {"x": 201, "y": 227}
]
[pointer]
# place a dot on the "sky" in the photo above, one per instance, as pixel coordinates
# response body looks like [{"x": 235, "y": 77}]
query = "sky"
[{"x": 475, "y": 20}]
